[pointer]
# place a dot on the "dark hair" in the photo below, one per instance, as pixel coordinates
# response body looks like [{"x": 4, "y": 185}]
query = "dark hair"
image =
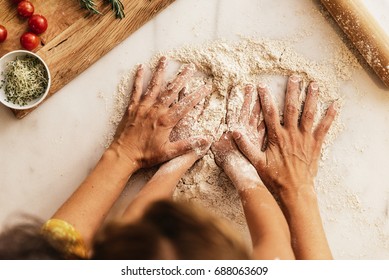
[
  {"x": 169, "y": 226},
  {"x": 24, "y": 241}
]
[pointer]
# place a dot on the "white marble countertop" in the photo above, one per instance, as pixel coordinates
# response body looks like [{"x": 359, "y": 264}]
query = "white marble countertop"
[{"x": 44, "y": 156}]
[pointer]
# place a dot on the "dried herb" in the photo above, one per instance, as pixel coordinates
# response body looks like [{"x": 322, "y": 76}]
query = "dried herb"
[
  {"x": 25, "y": 80},
  {"x": 116, "y": 6}
]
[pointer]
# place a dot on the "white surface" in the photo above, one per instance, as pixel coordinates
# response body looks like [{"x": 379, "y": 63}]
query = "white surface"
[
  {"x": 379, "y": 9},
  {"x": 47, "y": 154}
]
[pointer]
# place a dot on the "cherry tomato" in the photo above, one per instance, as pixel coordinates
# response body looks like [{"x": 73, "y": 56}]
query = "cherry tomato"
[
  {"x": 17, "y": 1},
  {"x": 37, "y": 24},
  {"x": 25, "y": 9},
  {"x": 29, "y": 41},
  {"x": 3, "y": 33}
]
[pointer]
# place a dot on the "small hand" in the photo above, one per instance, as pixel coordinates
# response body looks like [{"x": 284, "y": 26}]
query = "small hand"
[
  {"x": 142, "y": 137},
  {"x": 227, "y": 155},
  {"x": 290, "y": 160},
  {"x": 187, "y": 127}
]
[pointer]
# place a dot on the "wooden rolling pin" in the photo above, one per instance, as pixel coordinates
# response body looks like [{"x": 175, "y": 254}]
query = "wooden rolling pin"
[{"x": 364, "y": 32}]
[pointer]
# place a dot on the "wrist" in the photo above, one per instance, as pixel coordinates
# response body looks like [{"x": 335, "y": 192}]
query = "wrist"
[
  {"x": 246, "y": 190},
  {"x": 303, "y": 195},
  {"x": 120, "y": 161},
  {"x": 179, "y": 164},
  {"x": 241, "y": 172},
  {"x": 243, "y": 182}
]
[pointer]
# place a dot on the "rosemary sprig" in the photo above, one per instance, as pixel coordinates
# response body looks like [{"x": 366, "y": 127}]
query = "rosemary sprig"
[
  {"x": 118, "y": 8},
  {"x": 90, "y": 5},
  {"x": 116, "y": 5}
]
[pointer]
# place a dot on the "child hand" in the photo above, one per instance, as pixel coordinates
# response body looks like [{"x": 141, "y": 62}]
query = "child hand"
[
  {"x": 227, "y": 155},
  {"x": 186, "y": 128}
]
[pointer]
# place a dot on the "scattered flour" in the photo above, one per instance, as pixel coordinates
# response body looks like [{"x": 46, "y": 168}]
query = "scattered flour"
[{"x": 224, "y": 65}]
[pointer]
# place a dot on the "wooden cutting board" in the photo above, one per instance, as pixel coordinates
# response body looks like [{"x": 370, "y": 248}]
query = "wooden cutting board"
[{"x": 75, "y": 39}]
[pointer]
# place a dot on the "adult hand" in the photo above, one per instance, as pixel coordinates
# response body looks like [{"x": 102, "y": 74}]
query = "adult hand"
[
  {"x": 289, "y": 164},
  {"x": 142, "y": 138},
  {"x": 290, "y": 160}
]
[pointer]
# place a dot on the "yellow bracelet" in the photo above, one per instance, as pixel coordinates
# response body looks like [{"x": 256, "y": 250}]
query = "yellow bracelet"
[{"x": 64, "y": 237}]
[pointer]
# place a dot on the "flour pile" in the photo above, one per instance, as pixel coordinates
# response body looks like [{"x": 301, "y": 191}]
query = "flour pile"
[{"x": 228, "y": 65}]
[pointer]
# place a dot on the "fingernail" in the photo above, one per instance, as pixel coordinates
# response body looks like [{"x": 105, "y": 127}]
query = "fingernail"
[
  {"x": 336, "y": 106},
  {"x": 163, "y": 61},
  {"x": 196, "y": 141},
  {"x": 294, "y": 78},
  {"x": 203, "y": 142},
  {"x": 191, "y": 66},
  {"x": 237, "y": 135},
  {"x": 249, "y": 87},
  {"x": 211, "y": 139},
  {"x": 140, "y": 66},
  {"x": 208, "y": 87},
  {"x": 314, "y": 86},
  {"x": 262, "y": 85}
]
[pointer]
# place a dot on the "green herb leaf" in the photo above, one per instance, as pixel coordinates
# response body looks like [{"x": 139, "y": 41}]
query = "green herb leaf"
[
  {"x": 118, "y": 8},
  {"x": 90, "y": 5}
]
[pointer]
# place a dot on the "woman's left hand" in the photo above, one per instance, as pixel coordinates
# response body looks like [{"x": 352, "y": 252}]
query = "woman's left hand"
[{"x": 142, "y": 138}]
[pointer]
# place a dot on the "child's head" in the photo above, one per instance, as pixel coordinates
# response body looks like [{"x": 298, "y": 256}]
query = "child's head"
[
  {"x": 169, "y": 230},
  {"x": 24, "y": 241}
]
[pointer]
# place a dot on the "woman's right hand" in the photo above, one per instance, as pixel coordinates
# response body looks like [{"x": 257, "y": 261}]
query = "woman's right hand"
[
  {"x": 289, "y": 163},
  {"x": 290, "y": 160},
  {"x": 269, "y": 230}
]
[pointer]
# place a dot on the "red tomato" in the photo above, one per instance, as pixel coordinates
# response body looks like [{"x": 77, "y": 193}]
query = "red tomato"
[
  {"x": 37, "y": 24},
  {"x": 17, "y": 1},
  {"x": 29, "y": 41},
  {"x": 25, "y": 9},
  {"x": 3, "y": 33}
]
